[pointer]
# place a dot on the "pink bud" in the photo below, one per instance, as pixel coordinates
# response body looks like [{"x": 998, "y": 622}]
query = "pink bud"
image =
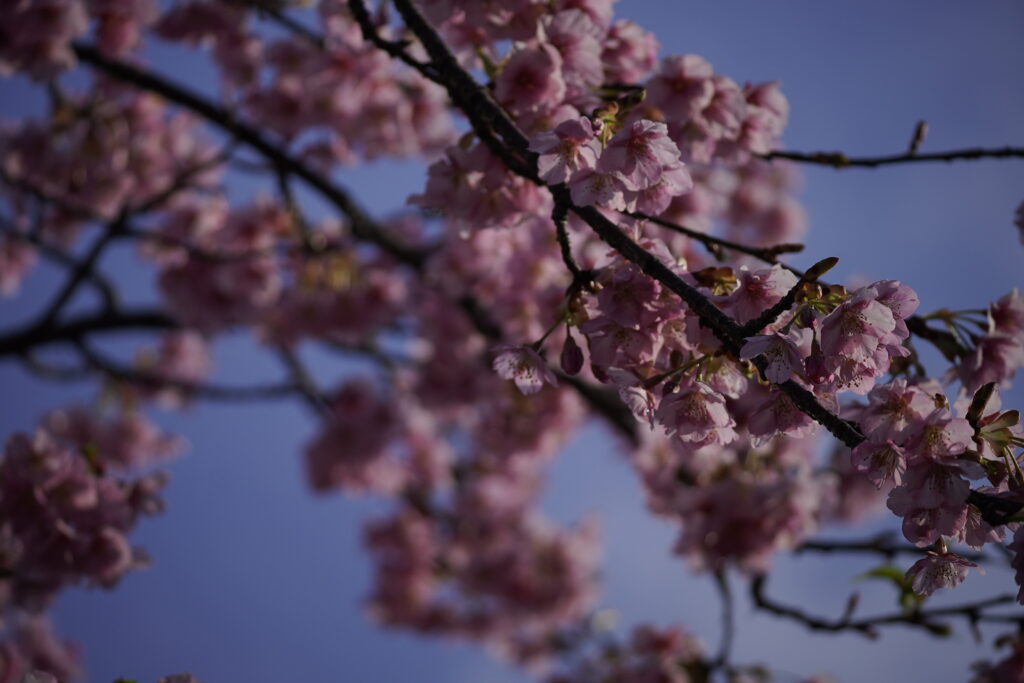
[{"x": 572, "y": 356}]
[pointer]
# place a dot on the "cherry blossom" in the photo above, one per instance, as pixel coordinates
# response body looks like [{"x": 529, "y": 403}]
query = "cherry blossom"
[
  {"x": 935, "y": 571},
  {"x": 524, "y": 366}
]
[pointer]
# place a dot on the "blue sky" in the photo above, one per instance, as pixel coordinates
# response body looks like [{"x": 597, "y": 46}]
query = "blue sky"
[{"x": 256, "y": 580}]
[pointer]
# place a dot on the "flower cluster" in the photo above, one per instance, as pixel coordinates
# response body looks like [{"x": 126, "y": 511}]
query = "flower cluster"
[
  {"x": 65, "y": 522},
  {"x": 639, "y": 168}
]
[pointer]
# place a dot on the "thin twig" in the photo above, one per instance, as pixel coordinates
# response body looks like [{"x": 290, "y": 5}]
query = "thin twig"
[
  {"x": 155, "y": 380},
  {"x": 83, "y": 271},
  {"x": 923, "y": 619},
  {"x": 277, "y": 16},
  {"x": 881, "y": 544},
  {"x": 728, "y": 625},
  {"x": 108, "y": 295},
  {"x": 558, "y": 215},
  {"x": 304, "y": 382},
  {"x": 840, "y": 160},
  {"x": 395, "y": 48},
  {"x": 716, "y": 244}
]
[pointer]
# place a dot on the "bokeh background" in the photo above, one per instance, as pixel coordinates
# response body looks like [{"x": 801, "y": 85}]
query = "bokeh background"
[{"x": 257, "y": 580}]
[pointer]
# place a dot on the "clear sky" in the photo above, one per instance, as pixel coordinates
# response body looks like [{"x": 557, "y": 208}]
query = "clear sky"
[{"x": 256, "y": 580}]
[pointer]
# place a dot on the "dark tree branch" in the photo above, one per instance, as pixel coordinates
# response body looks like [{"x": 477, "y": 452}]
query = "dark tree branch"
[
  {"x": 277, "y": 16},
  {"x": 395, "y": 48},
  {"x": 83, "y": 271},
  {"x": 928, "y": 620},
  {"x": 108, "y": 294},
  {"x": 558, "y": 215},
  {"x": 716, "y": 244},
  {"x": 305, "y": 383},
  {"x": 32, "y": 336},
  {"x": 728, "y": 625},
  {"x": 883, "y": 544},
  {"x": 483, "y": 112},
  {"x": 154, "y": 380},
  {"x": 840, "y": 160}
]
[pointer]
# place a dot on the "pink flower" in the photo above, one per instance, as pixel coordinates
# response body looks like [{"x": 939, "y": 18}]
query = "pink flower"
[
  {"x": 593, "y": 187},
  {"x": 531, "y": 79},
  {"x": 857, "y": 327},
  {"x": 932, "y": 501},
  {"x": 758, "y": 290},
  {"x": 697, "y": 414},
  {"x": 674, "y": 181},
  {"x": 637, "y": 155},
  {"x": 351, "y": 452},
  {"x": 781, "y": 353},
  {"x": 880, "y": 460},
  {"x": 935, "y": 571},
  {"x": 682, "y": 87},
  {"x": 36, "y": 36},
  {"x": 567, "y": 150},
  {"x": 894, "y": 407},
  {"x": 767, "y": 112},
  {"x": 576, "y": 37},
  {"x": 940, "y": 437},
  {"x": 524, "y": 366},
  {"x": 630, "y": 52},
  {"x": 777, "y": 414}
]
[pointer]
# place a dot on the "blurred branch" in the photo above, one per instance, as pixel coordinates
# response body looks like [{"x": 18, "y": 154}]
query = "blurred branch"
[
  {"x": 928, "y": 620},
  {"x": 882, "y": 544},
  {"x": 303, "y": 380},
  {"x": 31, "y": 336},
  {"x": 106, "y": 290},
  {"x": 728, "y": 625},
  {"x": 145, "y": 378},
  {"x": 839, "y": 160},
  {"x": 85, "y": 269},
  {"x": 360, "y": 223},
  {"x": 273, "y": 12}
]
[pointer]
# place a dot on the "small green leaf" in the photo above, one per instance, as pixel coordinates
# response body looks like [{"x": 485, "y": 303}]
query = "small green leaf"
[{"x": 886, "y": 572}]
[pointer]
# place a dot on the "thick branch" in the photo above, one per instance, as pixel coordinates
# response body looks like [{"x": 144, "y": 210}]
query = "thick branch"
[{"x": 31, "y": 336}]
